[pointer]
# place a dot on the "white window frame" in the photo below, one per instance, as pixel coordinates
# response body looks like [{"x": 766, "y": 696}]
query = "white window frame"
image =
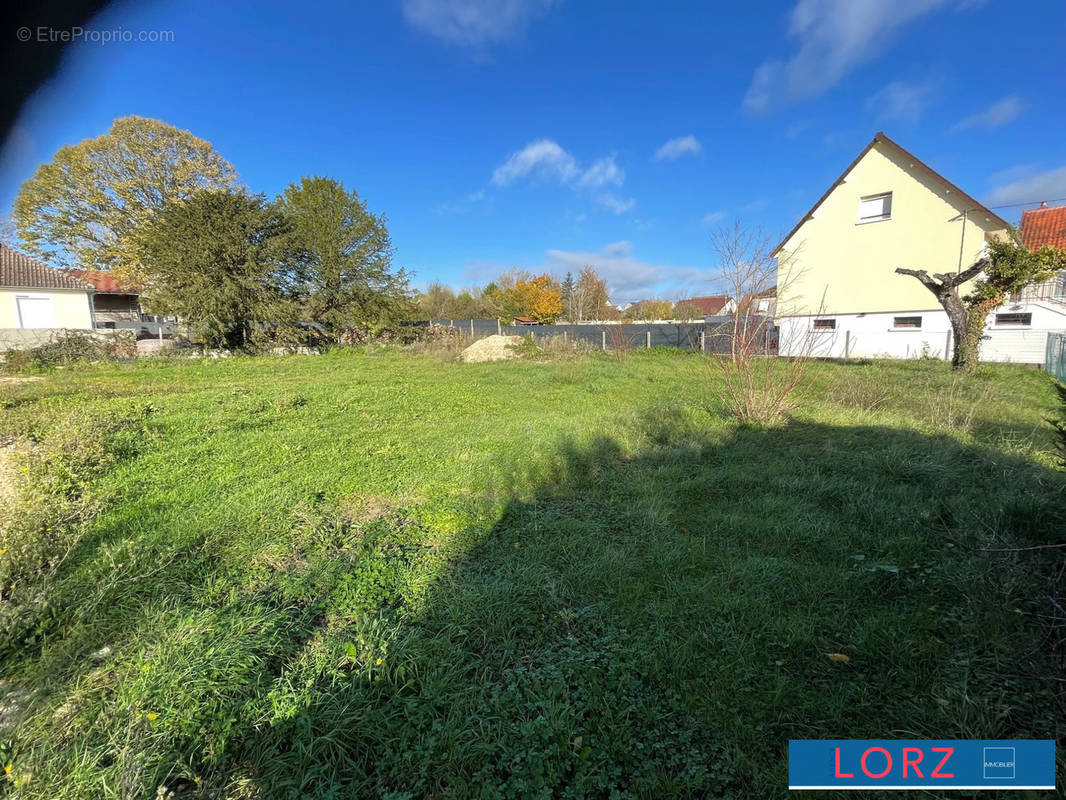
[{"x": 886, "y": 198}]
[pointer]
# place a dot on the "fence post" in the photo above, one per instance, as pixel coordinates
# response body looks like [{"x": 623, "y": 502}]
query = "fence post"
[
  {"x": 499, "y": 330},
  {"x": 451, "y": 323},
  {"x": 471, "y": 329},
  {"x": 649, "y": 339},
  {"x": 847, "y": 344},
  {"x": 703, "y": 341},
  {"x": 566, "y": 339},
  {"x": 603, "y": 342},
  {"x": 947, "y": 346}
]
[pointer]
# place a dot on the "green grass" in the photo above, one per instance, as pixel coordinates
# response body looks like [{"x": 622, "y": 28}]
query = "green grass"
[{"x": 379, "y": 574}]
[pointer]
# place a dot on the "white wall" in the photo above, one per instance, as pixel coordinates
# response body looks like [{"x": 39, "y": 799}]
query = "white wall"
[
  {"x": 72, "y": 308},
  {"x": 873, "y": 335}
]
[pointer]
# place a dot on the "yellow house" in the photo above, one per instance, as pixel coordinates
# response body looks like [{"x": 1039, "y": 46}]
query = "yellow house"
[
  {"x": 838, "y": 292},
  {"x": 36, "y": 298}
]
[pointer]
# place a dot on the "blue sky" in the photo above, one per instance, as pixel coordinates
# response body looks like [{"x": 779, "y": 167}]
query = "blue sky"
[{"x": 546, "y": 134}]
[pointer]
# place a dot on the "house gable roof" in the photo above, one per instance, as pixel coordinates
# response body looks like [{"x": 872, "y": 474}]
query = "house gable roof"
[
  {"x": 19, "y": 271},
  {"x": 880, "y": 138},
  {"x": 1041, "y": 226},
  {"x": 712, "y": 304},
  {"x": 105, "y": 282}
]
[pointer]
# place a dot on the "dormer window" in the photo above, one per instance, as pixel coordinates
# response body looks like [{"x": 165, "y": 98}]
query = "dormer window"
[{"x": 875, "y": 208}]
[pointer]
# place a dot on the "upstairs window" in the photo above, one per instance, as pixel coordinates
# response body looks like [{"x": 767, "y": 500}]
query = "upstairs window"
[
  {"x": 875, "y": 208},
  {"x": 825, "y": 324},
  {"x": 1014, "y": 320},
  {"x": 906, "y": 322}
]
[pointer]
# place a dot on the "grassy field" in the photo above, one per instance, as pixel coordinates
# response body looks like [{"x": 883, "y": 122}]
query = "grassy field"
[{"x": 382, "y": 574}]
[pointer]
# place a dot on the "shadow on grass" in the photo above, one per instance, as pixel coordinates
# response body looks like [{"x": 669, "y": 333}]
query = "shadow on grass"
[{"x": 643, "y": 624}]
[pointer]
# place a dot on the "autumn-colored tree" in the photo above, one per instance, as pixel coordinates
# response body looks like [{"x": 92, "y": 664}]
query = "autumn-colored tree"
[
  {"x": 589, "y": 295},
  {"x": 82, "y": 208},
  {"x": 1007, "y": 266},
  {"x": 650, "y": 309},
  {"x": 538, "y": 298}
]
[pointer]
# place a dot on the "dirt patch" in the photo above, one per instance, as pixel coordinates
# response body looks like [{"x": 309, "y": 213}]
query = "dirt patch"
[
  {"x": 492, "y": 348},
  {"x": 7, "y": 379}
]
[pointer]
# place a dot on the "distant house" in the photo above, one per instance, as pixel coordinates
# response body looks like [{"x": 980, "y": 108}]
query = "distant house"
[
  {"x": 114, "y": 300},
  {"x": 839, "y": 294},
  {"x": 525, "y": 321},
  {"x": 35, "y": 296},
  {"x": 1044, "y": 226},
  {"x": 759, "y": 304},
  {"x": 712, "y": 305}
]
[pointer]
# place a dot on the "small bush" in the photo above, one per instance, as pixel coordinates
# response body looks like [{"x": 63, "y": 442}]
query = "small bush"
[{"x": 72, "y": 347}]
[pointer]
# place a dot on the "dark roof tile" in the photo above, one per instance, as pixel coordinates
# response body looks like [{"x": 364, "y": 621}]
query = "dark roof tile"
[{"x": 19, "y": 271}]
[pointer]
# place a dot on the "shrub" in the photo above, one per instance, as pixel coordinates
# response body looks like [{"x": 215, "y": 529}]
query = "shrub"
[{"x": 72, "y": 347}]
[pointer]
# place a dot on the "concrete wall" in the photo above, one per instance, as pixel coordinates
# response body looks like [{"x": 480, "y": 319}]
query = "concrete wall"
[
  {"x": 834, "y": 263},
  {"x": 72, "y": 308},
  {"x": 25, "y": 338},
  {"x": 874, "y": 335}
]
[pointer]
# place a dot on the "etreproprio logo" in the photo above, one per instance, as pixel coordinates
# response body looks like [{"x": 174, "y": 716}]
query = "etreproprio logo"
[{"x": 921, "y": 764}]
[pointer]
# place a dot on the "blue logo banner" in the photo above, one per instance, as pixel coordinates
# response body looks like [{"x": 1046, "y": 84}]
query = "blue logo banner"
[{"x": 921, "y": 764}]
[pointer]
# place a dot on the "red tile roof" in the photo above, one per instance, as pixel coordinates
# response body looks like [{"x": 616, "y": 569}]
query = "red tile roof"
[
  {"x": 708, "y": 306},
  {"x": 1042, "y": 226},
  {"x": 105, "y": 282},
  {"x": 19, "y": 271}
]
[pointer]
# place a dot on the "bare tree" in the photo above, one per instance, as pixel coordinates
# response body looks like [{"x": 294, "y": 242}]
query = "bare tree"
[
  {"x": 7, "y": 232},
  {"x": 758, "y": 385}
]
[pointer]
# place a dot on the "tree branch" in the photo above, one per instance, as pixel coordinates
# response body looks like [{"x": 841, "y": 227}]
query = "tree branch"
[{"x": 927, "y": 281}]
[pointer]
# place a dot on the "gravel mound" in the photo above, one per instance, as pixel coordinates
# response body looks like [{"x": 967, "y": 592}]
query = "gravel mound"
[{"x": 493, "y": 348}]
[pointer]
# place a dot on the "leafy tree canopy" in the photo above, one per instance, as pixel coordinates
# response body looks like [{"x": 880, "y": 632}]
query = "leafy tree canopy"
[
  {"x": 344, "y": 271},
  {"x": 82, "y": 208},
  {"x": 217, "y": 261}
]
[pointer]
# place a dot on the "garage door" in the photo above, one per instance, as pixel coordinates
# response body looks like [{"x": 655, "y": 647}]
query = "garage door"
[{"x": 36, "y": 312}]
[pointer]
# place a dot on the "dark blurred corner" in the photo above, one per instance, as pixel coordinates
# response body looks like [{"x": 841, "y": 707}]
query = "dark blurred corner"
[{"x": 27, "y": 65}]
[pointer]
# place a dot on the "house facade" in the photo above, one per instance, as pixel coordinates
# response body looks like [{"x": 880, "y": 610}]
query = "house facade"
[
  {"x": 34, "y": 296},
  {"x": 113, "y": 300},
  {"x": 839, "y": 295}
]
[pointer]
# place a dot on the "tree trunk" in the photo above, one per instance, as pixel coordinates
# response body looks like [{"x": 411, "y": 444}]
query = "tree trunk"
[{"x": 966, "y": 346}]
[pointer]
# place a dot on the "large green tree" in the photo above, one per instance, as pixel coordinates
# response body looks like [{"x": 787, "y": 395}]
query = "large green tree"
[
  {"x": 345, "y": 273},
  {"x": 1007, "y": 267},
  {"x": 218, "y": 262},
  {"x": 82, "y": 208}
]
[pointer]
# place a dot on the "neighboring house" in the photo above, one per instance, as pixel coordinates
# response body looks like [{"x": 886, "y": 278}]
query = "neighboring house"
[
  {"x": 839, "y": 295},
  {"x": 36, "y": 296},
  {"x": 760, "y": 304},
  {"x": 113, "y": 301},
  {"x": 712, "y": 305},
  {"x": 1041, "y": 226}
]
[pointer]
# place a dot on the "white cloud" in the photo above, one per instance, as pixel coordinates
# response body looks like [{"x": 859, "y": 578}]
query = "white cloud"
[
  {"x": 543, "y": 158},
  {"x": 628, "y": 277},
  {"x": 905, "y": 102},
  {"x": 1049, "y": 185},
  {"x": 619, "y": 205},
  {"x": 713, "y": 218},
  {"x": 547, "y": 160},
  {"x": 999, "y": 113},
  {"x": 834, "y": 36},
  {"x": 474, "y": 23},
  {"x": 675, "y": 148},
  {"x": 602, "y": 173}
]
